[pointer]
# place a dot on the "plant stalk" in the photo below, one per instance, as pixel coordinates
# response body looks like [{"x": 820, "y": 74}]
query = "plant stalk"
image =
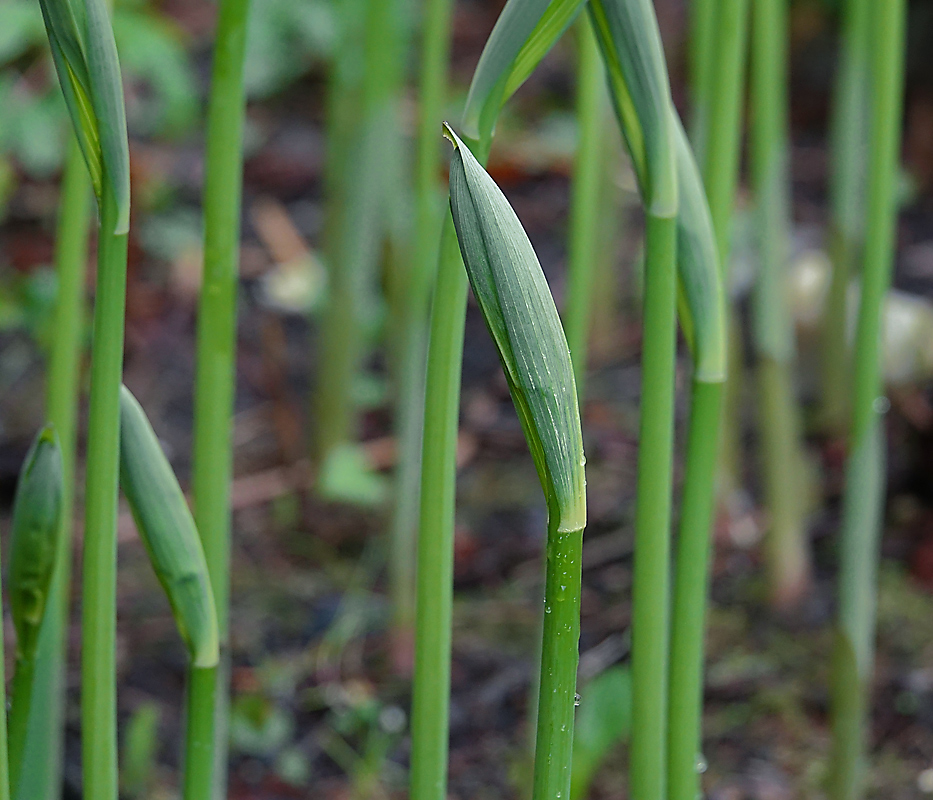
[
  {"x": 559, "y": 660},
  {"x": 199, "y": 766},
  {"x": 583, "y": 250},
  {"x": 216, "y": 356},
  {"x": 431, "y": 688},
  {"x": 651, "y": 576},
  {"x": 435, "y": 51},
  {"x": 853, "y": 661},
  {"x": 691, "y": 588},
  {"x": 782, "y": 452},
  {"x": 41, "y": 773},
  {"x": 721, "y": 149},
  {"x": 99, "y": 612},
  {"x": 848, "y": 156},
  {"x": 21, "y": 694}
]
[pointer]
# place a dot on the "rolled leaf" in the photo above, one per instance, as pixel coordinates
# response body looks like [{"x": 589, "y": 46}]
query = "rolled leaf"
[
  {"x": 168, "y": 531},
  {"x": 523, "y": 34},
  {"x": 516, "y": 302},
  {"x": 37, "y": 513},
  {"x": 628, "y": 35},
  {"x": 85, "y": 56}
]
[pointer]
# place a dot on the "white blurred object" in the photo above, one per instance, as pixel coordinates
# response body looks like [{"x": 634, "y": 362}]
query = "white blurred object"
[{"x": 908, "y": 319}]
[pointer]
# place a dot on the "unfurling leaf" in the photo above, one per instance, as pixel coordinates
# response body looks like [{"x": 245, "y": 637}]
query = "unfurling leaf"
[
  {"x": 524, "y": 32},
  {"x": 168, "y": 531},
  {"x": 85, "y": 57},
  {"x": 37, "y": 516},
  {"x": 521, "y": 316}
]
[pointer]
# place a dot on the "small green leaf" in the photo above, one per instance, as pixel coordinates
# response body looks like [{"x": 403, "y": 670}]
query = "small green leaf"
[
  {"x": 516, "y": 302},
  {"x": 524, "y": 32},
  {"x": 37, "y": 511},
  {"x": 168, "y": 531},
  {"x": 628, "y": 35}
]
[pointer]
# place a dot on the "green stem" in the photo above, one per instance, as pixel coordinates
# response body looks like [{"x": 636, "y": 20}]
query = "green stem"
[
  {"x": 691, "y": 587},
  {"x": 782, "y": 451},
  {"x": 199, "y": 734},
  {"x": 435, "y": 51},
  {"x": 651, "y": 577},
  {"x": 357, "y": 226},
  {"x": 864, "y": 492},
  {"x": 41, "y": 773},
  {"x": 559, "y": 659},
  {"x": 583, "y": 255},
  {"x": 21, "y": 694},
  {"x": 848, "y": 148},
  {"x": 721, "y": 152},
  {"x": 216, "y": 347},
  {"x": 431, "y": 688},
  {"x": 99, "y": 611},
  {"x": 702, "y": 41}
]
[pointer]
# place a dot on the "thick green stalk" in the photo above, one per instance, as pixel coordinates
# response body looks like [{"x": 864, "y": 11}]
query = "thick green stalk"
[
  {"x": 583, "y": 250},
  {"x": 21, "y": 693},
  {"x": 216, "y": 349},
  {"x": 848, "y": 155},
  {"x": 720, "y": 167},
  {"x": 863, "y": 501},
  {"x": 99, "y": 611},
  {"x": 41, "y": 774},
  {"x": 431, "y": 688},
  {"x": 702, "y": 42},
  {"x": 199, "y": 733},
  {"x": 435, "y": 50},
  {"x": 691, "y": 584},
  {"x": 651, "y": 578},
  {"x": 782, "y": 456},
  {"x": 559, "y": 659}
]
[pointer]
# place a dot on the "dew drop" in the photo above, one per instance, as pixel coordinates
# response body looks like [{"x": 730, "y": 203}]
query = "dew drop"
[
  {"x": 576, "y": 699},
  {"x": 701, "y": 766}
]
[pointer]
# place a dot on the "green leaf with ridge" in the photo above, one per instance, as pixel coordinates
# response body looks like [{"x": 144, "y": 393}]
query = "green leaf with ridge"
[
  {"x": 519, "y": 310},
  {"x": 168, "y": 532}
]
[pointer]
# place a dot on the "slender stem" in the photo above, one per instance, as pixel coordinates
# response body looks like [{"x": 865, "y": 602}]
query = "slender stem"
[
  {"x": 216, "y": 348},
  {"x": 720, "y": 175},
  {"x": 702, "y": 43},
  {"x": 4, "y": 755},
  {"x": 431, "y": 688},
  {"x": 691, "y": 587},
  {"x": 559, "y": 659},
  {"x": 41, "y": 773},
  {"x": 99, "y": 611},
  {"x": 651, "y": 578},
  {"x": 358, "y": 213},
  {"x": 435, "y": 51},
  {"x": 863, "y": 501},
  {"x": 848, "y": 149},
  {"x": 782, "y": 456},
  {"x": 199, "y": 734},
  {"x": 20, "y": 701},
  {"x": 583, "y": 255}
]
